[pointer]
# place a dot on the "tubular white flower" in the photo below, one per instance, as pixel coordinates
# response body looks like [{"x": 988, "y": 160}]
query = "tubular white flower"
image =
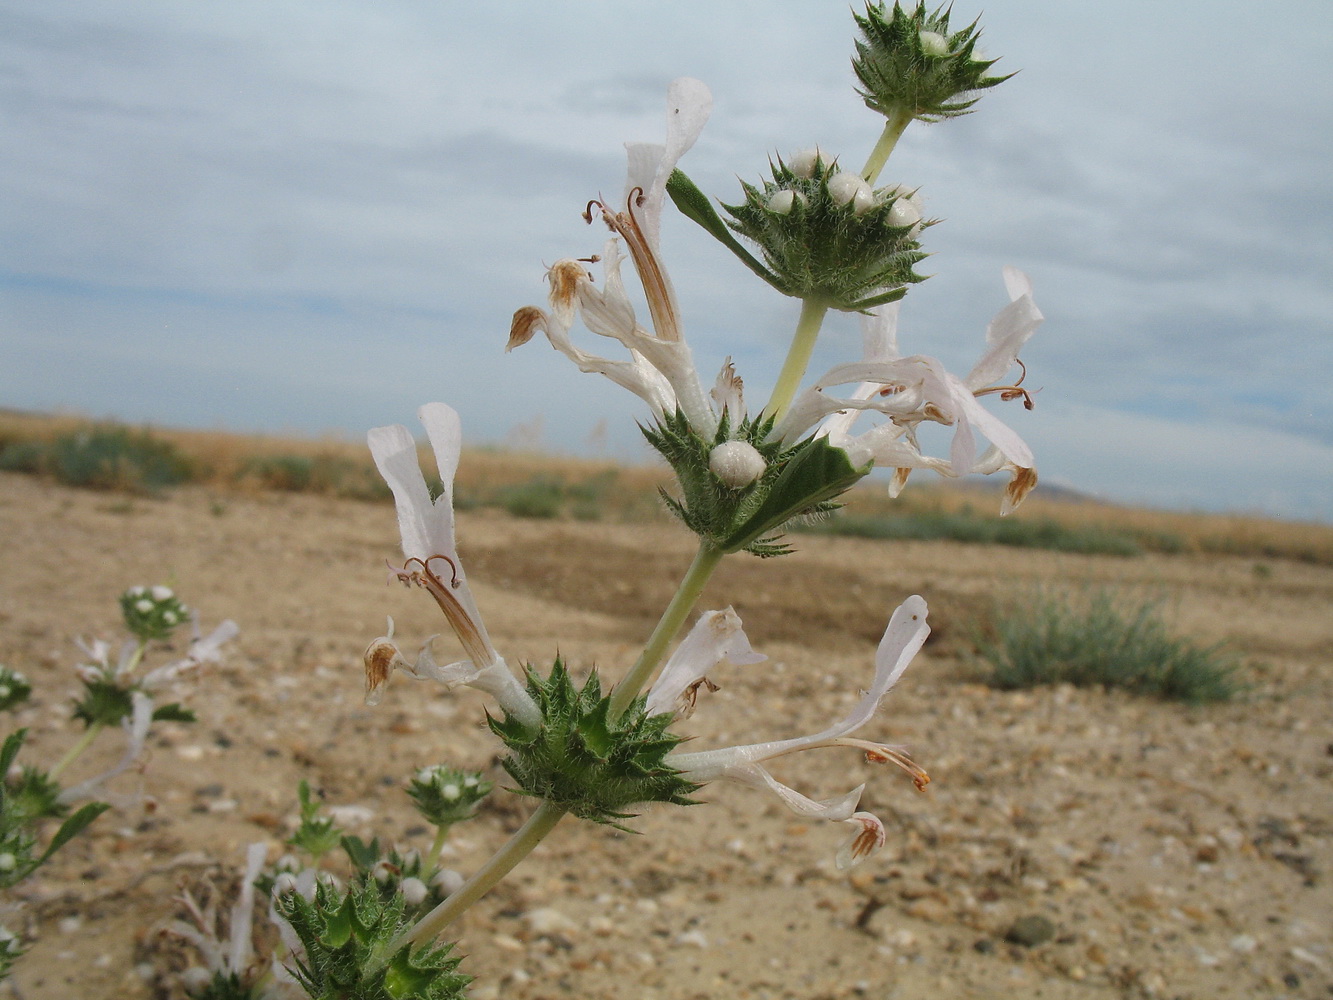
[
  {"x": 661, "y": 370},
  {"x": 910, "y": 390},
  {"x": 717, "y": 637},
  {"x": 906, "y": 632},
  {"x": 432, "y": 562}
]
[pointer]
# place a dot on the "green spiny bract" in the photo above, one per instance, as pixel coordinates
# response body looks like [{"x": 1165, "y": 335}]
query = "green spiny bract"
[
  {"x": 343, "y": 933},
  {"x": 800, "y": 481},
  {"x": 391, "y": 869},
  {"x": 15, "y": 689},
  {"x": 909, "y": 64},
  {"x": 583, "y": 760},
  {"x": 25, "y": 800},
  {"x": 445, "y": 796},
  {"x": 152, "y": 612},
  {"x": 842, "y": 256},
  {"x": 317, "y": 835}
]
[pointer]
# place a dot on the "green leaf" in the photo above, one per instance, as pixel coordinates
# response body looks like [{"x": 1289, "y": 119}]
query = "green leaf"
[
  {"x": 73, "y": 826},
  {"x": 814, "y": 475},
  {"x": 694, "y": 205},
  {"x": 175, "y": 712}
]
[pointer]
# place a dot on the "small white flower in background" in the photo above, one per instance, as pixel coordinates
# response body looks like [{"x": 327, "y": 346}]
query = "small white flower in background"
[
  {"x": 718, "y": 637},
  {"x": 231, "y": 955},
  {"x": 431, "y": 562}
]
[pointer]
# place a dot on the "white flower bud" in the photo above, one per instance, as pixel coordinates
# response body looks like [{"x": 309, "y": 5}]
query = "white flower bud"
[
  {"x": 169, "y": 617},
  {"x": 161, "y": 593},
  {"x": 136, "y": 591},
  {"x": 447, "y": 881},
  {"x": 934, "y": 44},
  {"x": 903, "y": 213},
  {"x": 802, "y": 162},
  {"x": 414, "y": 891},
  {"x": 8, "y": 862},
  {"x": 781, "y": 202},
  {"x": 383, "y": 871},
  {"x": 845, "y": 187},
  {"x": 451, "y": 792},
  {"x": 284, "y": 884},
  {"x": 144, "y": 605},
  {"x": 736, "y": 463}
]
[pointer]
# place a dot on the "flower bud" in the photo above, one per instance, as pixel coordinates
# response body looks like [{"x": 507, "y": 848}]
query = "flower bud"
[
  {"x": 737, "y": 463},
  {"x": 933, "y": 43},
  {"x": 781, "y": 202},
  {"x": 909, "y": 62},
  {"x": 845, "y": 187},
  {"x": 802, "y": 162},
  {"x": 414, "y": 891}
]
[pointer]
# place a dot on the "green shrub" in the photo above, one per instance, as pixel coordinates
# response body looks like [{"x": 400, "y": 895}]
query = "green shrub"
[
  {"x": 102, "y": 457},
  {"x": 332, "y": 475},
  {"x": 966, "y": 526},
  {"x": 1046, "y": 640},
  {"x": 537, "y": 498}
]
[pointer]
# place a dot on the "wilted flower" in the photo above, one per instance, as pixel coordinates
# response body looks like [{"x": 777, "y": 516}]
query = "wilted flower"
[
  {"x": 431, "y": 562},
  {"x": 715, "y": 639}
]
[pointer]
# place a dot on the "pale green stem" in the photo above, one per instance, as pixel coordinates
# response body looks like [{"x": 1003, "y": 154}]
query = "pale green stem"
[
  {"x": 687, "y": 595},
  {"x": 798, "y": 357},
  {"x": 436, "y": 846},
  {"x": 520, "y": 845},
  {"x": 72, "y": 755},
  {"x": 893, "y": 129}
]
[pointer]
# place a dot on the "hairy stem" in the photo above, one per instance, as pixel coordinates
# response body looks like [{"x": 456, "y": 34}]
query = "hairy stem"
[
  {"x": 501, "y": 863},
  {"x": 798, "y": 357},
  {"x": 73, "y": 753},
  {"x": 893, "y": 129},
  {"x": 687, "y": 595}
]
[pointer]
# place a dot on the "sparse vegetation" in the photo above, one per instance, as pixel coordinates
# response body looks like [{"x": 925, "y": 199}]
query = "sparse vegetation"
[
  {"x": 1103, "y": 641},
  {"x": 542, "y": 485},
  {"x": 967, "y": 525}
]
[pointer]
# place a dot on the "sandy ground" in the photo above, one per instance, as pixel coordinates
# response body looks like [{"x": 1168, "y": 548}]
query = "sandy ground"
[{"x": 1177, "y": 852}]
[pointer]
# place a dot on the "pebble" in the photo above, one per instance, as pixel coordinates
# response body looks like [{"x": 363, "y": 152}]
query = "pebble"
[
  {"x": 548, "y": 920},
  {"x": 1030, "y": 931}
]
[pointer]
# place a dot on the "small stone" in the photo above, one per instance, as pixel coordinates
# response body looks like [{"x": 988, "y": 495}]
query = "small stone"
[
  {"x": 1030, "y": 931},
  {"x": 547, "y": 920}
]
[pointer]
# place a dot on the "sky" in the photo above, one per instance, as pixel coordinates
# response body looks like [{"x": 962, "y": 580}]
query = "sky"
[{"x": 284, "y": 217}]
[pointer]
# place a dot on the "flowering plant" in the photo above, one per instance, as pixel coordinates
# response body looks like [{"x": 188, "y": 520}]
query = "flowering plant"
[{"x": 818, "y": 232}]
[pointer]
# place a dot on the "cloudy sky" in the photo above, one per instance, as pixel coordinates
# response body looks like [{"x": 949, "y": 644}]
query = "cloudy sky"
[{"x": 287, "y": 216}]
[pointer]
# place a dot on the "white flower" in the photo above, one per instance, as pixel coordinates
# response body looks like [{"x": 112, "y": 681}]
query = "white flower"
[
  {"x": 906, "y": 632},
  {"x": 660, "y": 369},
  {"x": 910, "y": 390},
  {"x": 431, "y": 562},
  {"x": 716, "y": 637},
  {"x": 232, "y": 955}
]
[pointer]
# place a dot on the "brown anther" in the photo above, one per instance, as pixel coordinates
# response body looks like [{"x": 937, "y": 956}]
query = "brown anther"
[
  {"x": 454, "y": 579},
  {"x": 691, "y": 694},
  {"x": 636, "y": 198},
  {"x": 891, "y": 390}
]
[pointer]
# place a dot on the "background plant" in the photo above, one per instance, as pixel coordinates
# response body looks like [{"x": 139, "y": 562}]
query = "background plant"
[{"x": 1103, "y": 640}]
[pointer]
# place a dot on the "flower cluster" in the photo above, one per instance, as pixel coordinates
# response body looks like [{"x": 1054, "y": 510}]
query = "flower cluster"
[{"x": 905, "y": 391}]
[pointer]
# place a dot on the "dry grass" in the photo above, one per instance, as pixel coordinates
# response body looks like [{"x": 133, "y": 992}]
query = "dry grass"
[{"x": 595, "y": 488}]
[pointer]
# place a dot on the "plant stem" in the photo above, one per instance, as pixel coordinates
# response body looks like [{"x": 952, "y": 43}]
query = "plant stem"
[
  {"x": 72, "y": 755},
  {"x": 501, "y": 863},
  {"x": 893, "y": 129},
  {"x": 687, "y": 595},
  {"x": 798, "y": 357}
]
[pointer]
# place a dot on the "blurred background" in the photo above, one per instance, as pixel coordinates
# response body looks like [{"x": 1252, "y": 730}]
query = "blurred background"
[{"x": 312, "y": 218}]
